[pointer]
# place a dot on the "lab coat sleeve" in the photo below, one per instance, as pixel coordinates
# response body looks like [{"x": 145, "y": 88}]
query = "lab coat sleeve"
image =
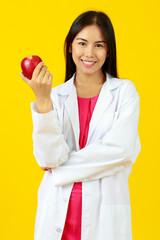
[
  {"x": 117, "y": 150},
  {"x": 48, "y": 139}
]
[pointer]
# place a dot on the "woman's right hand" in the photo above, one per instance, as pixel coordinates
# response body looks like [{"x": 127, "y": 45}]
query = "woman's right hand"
[{"x": 41, "y": 82}]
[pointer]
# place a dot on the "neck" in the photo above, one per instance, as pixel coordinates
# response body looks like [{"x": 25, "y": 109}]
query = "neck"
[{"x": 85, "y": 80}]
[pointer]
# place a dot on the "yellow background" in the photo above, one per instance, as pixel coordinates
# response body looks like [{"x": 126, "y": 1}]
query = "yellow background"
[{"x": 39, "y": 28}]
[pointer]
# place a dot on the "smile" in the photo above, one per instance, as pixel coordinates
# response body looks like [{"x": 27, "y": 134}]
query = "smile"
[{"x": 88, "y": 64}]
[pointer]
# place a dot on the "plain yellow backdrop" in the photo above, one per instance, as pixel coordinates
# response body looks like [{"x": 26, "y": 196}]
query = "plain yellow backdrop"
[{"x": 39, "y": 28}]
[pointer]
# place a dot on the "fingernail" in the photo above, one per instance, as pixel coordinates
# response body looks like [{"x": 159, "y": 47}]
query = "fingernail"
[{"x": 20, "y": 74}]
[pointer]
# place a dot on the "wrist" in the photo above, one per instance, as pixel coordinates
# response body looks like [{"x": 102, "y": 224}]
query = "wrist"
[
  {"x": 44, "y": 105},
  {"x": 43, "y": 100}
]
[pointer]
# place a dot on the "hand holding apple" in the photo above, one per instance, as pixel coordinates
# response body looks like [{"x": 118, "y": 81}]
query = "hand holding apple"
[
  {"x": 41, "y": 81},
  {"x": 41, "y": 84}
]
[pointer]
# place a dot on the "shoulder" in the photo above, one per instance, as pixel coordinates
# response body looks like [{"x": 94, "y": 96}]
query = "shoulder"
[
  {"x": 130, "y": 89},
  {"x": 63, "y": 88},
  {"x": 126, "y": 86},
  {"x": 58, "y": 87},
  {"x": 59, "y": 93},
  {"x": 127, "y": 94}
]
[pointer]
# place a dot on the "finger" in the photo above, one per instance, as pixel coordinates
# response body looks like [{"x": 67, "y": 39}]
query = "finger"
[
  {"x": 24, "y": 78},
  {"x": 46, "y": 76},
  {"x": 46, "y": 169},
  {"x": 37, "y": 70},
  {"x": 42, "y": 73},
  {"x": 51, "y": 77}
]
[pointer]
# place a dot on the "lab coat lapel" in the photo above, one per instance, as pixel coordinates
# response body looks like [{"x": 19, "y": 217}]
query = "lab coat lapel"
[
  {"x": 71, "y": 104},
  {"x": 104, "y": 100}
]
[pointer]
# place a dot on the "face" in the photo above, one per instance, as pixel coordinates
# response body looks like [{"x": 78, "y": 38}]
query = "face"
[{"x": 89, "y": 50}]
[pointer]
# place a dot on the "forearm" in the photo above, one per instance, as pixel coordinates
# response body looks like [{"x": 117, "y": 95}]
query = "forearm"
[
  {"x": 97, "y": 160},
  {"x": 50, "y": 148}
]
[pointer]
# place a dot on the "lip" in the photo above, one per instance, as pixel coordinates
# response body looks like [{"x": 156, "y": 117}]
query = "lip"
[
  {"x": 86, "y": 65},
  {"x": 87, "y": 60}
]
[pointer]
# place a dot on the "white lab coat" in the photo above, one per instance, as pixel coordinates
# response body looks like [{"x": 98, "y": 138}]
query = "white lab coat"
[{"x": 103, "y": 166}]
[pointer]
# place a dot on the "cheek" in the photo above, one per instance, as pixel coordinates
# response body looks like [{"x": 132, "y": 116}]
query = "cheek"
[
  {"x": 103, "y": 55},
  {"x": 76, "y": 52}
]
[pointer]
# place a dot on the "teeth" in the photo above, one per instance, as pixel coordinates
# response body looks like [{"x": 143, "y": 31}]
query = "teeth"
[{"x": 88, "y": 62}]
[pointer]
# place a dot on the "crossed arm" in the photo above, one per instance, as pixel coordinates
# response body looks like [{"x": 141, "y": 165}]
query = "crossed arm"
[{"x": 117, "y": 150}]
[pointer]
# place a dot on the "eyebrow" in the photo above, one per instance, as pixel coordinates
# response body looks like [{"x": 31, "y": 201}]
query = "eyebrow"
[{"x": 86, "y": 40}]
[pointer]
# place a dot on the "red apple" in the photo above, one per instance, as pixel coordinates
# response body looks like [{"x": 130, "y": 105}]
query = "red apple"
[{"x": 28, "y": 65}]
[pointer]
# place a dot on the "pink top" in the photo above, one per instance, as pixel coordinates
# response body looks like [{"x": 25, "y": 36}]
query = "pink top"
[{"x": 72, "y": 228}]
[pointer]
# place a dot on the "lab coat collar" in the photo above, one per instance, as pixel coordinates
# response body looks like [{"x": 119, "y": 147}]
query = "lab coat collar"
[
  {"x": 66, "y": 87},
  {"x": 103, "y": 103}
]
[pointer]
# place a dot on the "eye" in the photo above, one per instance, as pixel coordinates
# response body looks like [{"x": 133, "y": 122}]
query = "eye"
[
  {"x": 82, "y": 43},
  {"x": 100, "y": 45}
]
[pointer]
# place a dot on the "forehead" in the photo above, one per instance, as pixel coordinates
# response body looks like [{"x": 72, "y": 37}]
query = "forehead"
[{"x": 92, "y": 32}]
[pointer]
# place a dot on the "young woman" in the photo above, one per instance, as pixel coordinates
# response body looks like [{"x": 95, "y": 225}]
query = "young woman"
[{"x": 85, "y": 134}]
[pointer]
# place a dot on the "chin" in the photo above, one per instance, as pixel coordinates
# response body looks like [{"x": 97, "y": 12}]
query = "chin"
[{"x": 89, "y": 73}]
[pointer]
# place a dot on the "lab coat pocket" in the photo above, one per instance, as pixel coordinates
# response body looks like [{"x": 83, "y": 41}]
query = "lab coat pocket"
[{"x": 115, "y": 222}]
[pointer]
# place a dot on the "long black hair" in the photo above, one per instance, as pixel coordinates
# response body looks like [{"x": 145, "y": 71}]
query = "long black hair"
[{"x": 86, "y": 19}]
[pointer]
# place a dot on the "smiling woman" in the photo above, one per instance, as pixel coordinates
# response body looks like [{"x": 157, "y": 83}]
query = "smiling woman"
[
  {"x": 94, "y": 35},
  {"x": 87, "y": 135}
]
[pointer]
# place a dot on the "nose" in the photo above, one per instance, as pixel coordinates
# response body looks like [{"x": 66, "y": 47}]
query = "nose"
[{"x": 89, "y": 52}]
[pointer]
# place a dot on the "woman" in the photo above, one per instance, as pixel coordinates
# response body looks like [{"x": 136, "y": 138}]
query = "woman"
[{"x": 85, "y": 135}]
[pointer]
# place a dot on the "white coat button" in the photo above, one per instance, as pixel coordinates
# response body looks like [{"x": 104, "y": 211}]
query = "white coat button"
[{"x": 59, "y": 230}]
